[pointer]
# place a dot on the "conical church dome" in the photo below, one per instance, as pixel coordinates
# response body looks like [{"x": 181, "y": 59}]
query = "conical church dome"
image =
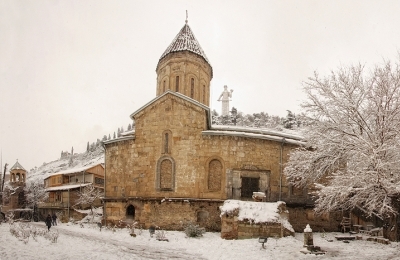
[
  {"x": 185, "y": 41},
  {"x": 184, "y": 68}
]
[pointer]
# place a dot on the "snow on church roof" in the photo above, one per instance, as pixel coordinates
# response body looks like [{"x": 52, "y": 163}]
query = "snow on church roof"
[
  {"x": 185, "y": 41},
  {"x": 17, "y": 166},
  {"x": 258, "y": 133}
]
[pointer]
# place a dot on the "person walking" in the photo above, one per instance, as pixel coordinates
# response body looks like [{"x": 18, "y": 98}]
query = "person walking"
[
  {"x": 54, "y": 217},
  {"x": 48, "y": 222}
]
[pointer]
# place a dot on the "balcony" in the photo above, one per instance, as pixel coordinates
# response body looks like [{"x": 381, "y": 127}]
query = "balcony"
[{"x": 54, "y": 205}]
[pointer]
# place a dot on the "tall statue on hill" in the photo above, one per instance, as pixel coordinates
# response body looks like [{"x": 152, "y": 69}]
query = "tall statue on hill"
[{"x": 225, "y": 98}]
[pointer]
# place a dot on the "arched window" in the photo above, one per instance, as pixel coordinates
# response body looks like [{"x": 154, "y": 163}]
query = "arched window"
[
  {"x": 130, "y": 212},
  {"x": 214, "y": 175},
  {"x": 192, "y": 87},
  {"x": 166, "y": 142},
  {"x": 164, "y": 85},
  {"x": 204, "y": 94},
  {"x": 177, "y": 84},
  {"x": 165, "y": 174}
]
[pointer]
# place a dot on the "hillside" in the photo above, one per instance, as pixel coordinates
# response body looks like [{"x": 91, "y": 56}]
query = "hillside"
[{"x": 68, "y": 162}]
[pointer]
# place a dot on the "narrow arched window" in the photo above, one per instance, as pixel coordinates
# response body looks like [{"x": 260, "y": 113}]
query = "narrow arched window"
[
  {"x": 166, "y": 141},
  {"x": 192, "y": 87},
  {"x": 177, "y": 84},
  {"x": 204, "y": 94},
  {"x": 164, "y": 85},
  {"x": 214, "y": 175}
]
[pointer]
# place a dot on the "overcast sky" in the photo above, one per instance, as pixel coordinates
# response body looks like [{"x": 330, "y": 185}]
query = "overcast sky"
[{"x": 73, "y": 71}]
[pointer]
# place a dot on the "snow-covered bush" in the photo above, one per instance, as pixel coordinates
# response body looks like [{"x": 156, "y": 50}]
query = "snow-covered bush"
[
  {"x": 134, "y": 226},
  {"x": 192, "y": 230},
  {"x": 160, "y": 235},
  {"x": 52, "y": 236},
  {"x": 23, "y": 231}
]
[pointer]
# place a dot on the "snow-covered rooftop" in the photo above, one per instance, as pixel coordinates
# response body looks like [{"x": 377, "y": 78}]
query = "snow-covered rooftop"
[
  {"x": 252, "y": 135},
  {"x": 76, "y": 169},
  {"x": 67, "y": 187},
  {"x": 185, "y": 41},
  {"x": 256, "y": 212},
  {"x": 290, "y": 134},
  {"x": 17, "y": 166}
]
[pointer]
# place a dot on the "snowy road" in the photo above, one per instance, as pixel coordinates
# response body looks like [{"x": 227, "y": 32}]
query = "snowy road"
[
  {"x": 77, "y": 243},
  {"x": 93, "y": 244}
]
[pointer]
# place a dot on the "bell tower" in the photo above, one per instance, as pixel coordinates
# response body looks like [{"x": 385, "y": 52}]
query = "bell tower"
[
  {"x": 184, "y": 68},
  {"x": 14, "y": 196}
]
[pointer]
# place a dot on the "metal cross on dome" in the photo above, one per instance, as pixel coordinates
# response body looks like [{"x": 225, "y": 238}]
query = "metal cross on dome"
[{"x": 186, "y": 21}]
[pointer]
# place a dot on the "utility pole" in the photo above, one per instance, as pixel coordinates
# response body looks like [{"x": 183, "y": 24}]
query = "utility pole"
[{"x": 4, "y": 176}]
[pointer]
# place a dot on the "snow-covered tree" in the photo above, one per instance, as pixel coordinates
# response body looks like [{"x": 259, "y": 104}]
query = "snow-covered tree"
[
  {"x": 352, "y": 144},
  {"x": 35, "y": 193},
  {"x": 88, "y": 196},
  {"x": 290, "y": 121}
]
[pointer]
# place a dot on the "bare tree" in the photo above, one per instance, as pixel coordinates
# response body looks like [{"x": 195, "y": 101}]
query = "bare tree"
[
  {"x": 35, "y": 193},
  {"x": 352, "y": 145},
  {"x": 88, "y": 196}
]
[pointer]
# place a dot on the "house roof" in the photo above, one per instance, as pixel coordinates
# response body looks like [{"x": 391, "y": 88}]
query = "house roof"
[
  {"x": 76, "y": 170},
  {"x": 17, "y": 166},
  {"x": 185, "y": 41},
  {"x": 68, "y": 187}
]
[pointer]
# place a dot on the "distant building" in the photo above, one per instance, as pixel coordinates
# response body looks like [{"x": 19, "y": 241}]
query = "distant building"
[
  {"x": 14, "y": 195},
  {"x": 63, "y": 188},
  {"x": 65, "y": 154}
]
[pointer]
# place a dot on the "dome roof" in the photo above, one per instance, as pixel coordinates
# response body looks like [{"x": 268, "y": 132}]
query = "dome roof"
[{"x": 185, "y": 41}]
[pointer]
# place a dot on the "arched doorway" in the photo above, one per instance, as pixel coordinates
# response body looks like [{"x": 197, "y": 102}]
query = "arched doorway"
[{"x": 130, "y": 212}]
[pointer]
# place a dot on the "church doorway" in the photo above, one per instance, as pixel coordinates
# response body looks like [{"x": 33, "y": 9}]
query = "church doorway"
[
  {"x": 249, "y": 185},
  {"x": 130, "y": 212}
]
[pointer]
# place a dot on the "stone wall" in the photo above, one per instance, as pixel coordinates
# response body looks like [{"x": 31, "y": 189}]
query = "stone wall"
[
  {"x": 232, "y": 228},
  {"x": 299, "y": 217},
  {"x": 169, "y": 214}
]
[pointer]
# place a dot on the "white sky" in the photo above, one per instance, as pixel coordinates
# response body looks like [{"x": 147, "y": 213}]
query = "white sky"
[{"x": 73, "y": 71}]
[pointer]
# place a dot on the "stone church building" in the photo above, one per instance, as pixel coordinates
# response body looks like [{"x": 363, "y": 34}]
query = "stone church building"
[{"x": 176, "y": 167}]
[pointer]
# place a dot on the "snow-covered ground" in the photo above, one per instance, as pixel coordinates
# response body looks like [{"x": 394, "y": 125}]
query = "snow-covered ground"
[{"x": 75, "y": 242}]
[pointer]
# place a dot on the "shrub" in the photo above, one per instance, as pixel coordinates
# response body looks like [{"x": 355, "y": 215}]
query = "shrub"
[{"x": 192, "y": 230}]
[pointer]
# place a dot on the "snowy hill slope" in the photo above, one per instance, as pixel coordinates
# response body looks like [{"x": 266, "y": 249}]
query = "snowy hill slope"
[{"x": 75, "y": 161}]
